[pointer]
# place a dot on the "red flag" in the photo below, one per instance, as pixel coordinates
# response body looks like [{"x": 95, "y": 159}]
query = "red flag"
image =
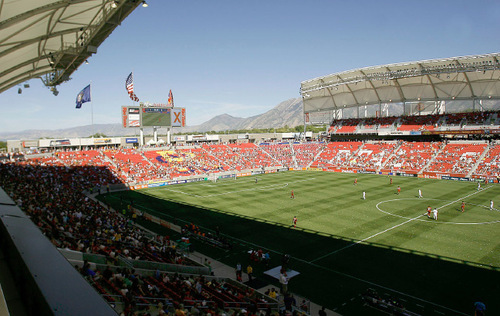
[{"x": 170, "y": 99}]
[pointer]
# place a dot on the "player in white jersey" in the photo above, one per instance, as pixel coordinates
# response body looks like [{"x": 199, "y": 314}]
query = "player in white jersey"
[
  {"x": 435, "y": 214},
  {"x": 419, "y": 193}
]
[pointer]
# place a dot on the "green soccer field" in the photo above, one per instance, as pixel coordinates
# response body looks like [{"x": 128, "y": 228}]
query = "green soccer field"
[{"x": 344, "y": 244}]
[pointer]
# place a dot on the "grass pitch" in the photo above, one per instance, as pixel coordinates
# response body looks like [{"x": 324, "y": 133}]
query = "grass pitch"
[{"x": 344, "y": 244}]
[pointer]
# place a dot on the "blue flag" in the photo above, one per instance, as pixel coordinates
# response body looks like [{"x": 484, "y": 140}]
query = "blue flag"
[{"x": 83, "y": 96}]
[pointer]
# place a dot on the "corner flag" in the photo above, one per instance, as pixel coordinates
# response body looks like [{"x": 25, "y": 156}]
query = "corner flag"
[{"x": 83, "y": 96}]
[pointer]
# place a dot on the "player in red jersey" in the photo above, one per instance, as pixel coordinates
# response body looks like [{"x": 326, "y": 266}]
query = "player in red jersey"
[
  {"x": 355, "y": 181},
  {"x": 429, "y": 210},
  {"x": 391, "y": 181},
  {"x": 399, "y": 189},
  {"x": 294, "y": 221},
  {"x": 292, "y": 196},
  {"x": 463, "y": 206}
]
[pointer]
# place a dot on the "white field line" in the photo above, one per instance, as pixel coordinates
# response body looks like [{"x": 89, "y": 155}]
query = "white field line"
[
  {"x": 268, "y": 187},
  {"x": 391, "y": 228}
]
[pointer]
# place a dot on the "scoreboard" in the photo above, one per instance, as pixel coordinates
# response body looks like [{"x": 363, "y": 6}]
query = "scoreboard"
[
  {"x": 142, "y": 116},
  {"x": 156, "y": 117}
]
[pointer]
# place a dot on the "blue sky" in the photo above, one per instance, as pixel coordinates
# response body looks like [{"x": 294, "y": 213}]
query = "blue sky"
[{"x": 245, "y": 57}]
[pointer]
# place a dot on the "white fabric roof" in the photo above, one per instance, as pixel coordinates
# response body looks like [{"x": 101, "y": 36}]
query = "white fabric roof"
[
  {"x": 53, "y": 37},
  {"x": 458, "y": 78}
]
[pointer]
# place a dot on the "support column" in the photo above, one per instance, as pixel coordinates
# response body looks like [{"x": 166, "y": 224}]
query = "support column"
[{"x": 141, "y": 137}]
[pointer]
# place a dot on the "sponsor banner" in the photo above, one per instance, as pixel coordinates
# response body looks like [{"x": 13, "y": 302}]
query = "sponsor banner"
[
  {"x": 415, "y": 133},
  {"x": 131, "y": 140},
  {"x": 131, "y": 117},
  {"x": 454, "y": 132},
  {"x": 138, "y": 187},
  {"x": 154, "y": 185},
  {"x": 246, "y": 174},
  {"x": 57, "y": 142},
  {"x": 178, "y": 117},
  {"x": 257, "y": 172},
  {"x": 195, "y": 180},
  {"x": 100, "y": 141},
  {"x": 159, "y": 105},
  {"x": 30, "y": 143},
  {"x": 332, "y": 169},
  {"x": 315, "y": 169},
  {"x": 366, "y": 172},
  {"x": 431, "y": 175},
  {"x": 348, "y": 171},
  {"x": 283, "y": 169},
  {"x": 456, "y": 178},
  {"x": 406, "y": 174},
  {"x": 179, "y": 138},
  {"x": 196, "y": 137},
  {"x": 213, "y": 137},
  {"x": 271, "y": 171}
]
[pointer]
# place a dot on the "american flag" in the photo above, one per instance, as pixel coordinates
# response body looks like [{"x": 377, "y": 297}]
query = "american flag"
[{"x": 129, "y": 85}]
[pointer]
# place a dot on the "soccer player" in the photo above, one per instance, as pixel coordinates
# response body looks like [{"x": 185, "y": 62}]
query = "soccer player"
[
  {"x": 256, "y": 180},
  {"x": 491, "y": 205},
  {"x": 429, "y": 210},
  {"x": 435, "y": 213},
  {"x": 479, "y": 186},
  {"x": 364, "y": 195},
  {"x": 391, "y": 181},
  {"x": 294, "y": 222},
  {"x": 356, "y": 181},
  {"x": 419, "y": 193},
  {"x": 292, "y": 196},
  {"x": 399, "y": 189},
  {"x": 463, "y": 206}
]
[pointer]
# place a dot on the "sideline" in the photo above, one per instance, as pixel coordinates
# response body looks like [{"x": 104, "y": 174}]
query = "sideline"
[{"x": 267, "y": 187}]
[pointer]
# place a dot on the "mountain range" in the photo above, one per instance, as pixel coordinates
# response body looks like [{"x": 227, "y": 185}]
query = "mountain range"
[{"x": 287, "y": 113}]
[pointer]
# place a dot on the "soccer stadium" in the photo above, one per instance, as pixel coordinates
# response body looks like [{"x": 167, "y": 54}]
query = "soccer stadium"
[{"x": 393, "y": 209}]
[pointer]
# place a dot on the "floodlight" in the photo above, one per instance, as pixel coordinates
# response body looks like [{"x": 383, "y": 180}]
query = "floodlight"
[{"x": 144, "y": 4}]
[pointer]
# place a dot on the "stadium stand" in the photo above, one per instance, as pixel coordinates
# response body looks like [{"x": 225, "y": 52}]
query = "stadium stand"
[
  {"x": 336, "y": 154},
  {"x": 53, "y": 190},
  {"x": 457, "y": 158},
  {"x": 411, "y": 157},
  {"x": 489, "y": 165},
  {"x": 282, "y": 153}
]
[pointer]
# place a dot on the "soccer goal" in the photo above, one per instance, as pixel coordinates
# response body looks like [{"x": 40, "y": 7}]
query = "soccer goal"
[{"x": 213, "y": 177}]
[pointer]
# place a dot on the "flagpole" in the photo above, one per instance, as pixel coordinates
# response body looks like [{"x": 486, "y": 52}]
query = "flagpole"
[{"x": 91, "y": 109}]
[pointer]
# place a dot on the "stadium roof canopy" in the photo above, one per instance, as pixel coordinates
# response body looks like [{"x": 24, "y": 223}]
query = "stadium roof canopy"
[
  {"x": 458, "y": 78},
  {"x": 50, "y": 39}
]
